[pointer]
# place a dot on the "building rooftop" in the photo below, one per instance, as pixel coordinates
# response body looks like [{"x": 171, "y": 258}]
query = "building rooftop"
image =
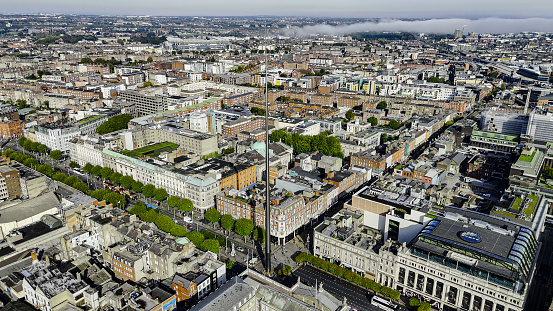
[
  {"x": 29, "y": 208},
  {"x": 225, "y": 297},
  {"x": 503, "y": 248}
]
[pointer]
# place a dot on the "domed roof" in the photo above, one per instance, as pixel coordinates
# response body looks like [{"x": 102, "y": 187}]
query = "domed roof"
[{"x": 258, "y": 145}]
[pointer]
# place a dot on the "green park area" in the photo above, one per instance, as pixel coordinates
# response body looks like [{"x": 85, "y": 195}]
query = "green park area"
[{"x": 151, "y": 151}]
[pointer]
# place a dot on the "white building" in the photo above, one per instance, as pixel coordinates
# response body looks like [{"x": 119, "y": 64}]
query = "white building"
[
  {"x": 198, "y": 122},
  {"x": 56, "y": 137},
  {"x": 84, "y": 150}
]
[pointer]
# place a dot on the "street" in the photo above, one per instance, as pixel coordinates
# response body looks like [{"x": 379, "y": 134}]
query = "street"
[{"x": 356, "y": 295}]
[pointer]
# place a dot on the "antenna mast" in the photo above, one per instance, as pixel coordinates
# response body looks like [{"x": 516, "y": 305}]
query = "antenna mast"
[{"x": 267, "y": 190}]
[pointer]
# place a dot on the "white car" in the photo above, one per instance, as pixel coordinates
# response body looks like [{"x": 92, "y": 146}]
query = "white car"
[{"x": 187, "y": 219}]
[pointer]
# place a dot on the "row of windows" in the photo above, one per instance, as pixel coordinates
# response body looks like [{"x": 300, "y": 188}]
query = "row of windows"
[{"x": 428, "y": 288}]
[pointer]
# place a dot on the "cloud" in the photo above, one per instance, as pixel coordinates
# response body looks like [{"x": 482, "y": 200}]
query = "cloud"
[{"x": 483, "y": 25}]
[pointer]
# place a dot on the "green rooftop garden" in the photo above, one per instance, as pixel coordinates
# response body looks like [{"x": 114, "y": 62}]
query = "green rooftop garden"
[
  {"x": 505, "y": 214},
  {"x": 527, "y": 158},
  {"x": 516, "y": 204},
  {"x": 91, "y": 118},
  {"x": 533, "y": 201},
  {"x": 211, "y": 155},
  {"x": 238, "y": 198},
  {"x": 151, "y": 151}
]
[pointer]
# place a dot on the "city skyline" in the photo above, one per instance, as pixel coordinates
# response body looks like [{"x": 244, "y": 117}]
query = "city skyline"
[{"x": 348, "y": 8}]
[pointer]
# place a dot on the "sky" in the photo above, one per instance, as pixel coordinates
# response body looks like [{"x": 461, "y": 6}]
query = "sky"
[{"x": 320, "y": 8}]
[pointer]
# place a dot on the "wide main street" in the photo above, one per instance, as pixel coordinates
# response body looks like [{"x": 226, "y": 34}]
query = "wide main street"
[{"x": 357, "y": 296}]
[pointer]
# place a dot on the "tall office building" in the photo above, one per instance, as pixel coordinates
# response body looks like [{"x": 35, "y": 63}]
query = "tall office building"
[
  {"x": 540, "y": 126},
  {"x": 458, "y": 34},
  {"x": 503, "y": 122},
  {"x": 145, "y": 104}
]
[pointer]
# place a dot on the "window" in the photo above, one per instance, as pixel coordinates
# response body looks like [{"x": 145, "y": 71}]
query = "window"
[
  {"x": 477, "y": 304},
  {"x": 411, "y": 279},
  {"x": 439, "y": 289},
  {"x": 465, "y": 304},
  {"x": 429, "y": 286},
  {"x": 488, "y": 305},
  {"x": 452, "y": 295},
  {"x": 420, "y": 282}
]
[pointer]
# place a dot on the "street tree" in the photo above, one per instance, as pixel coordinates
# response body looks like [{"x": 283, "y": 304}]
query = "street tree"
[
  {"x": 126, "y": 182},
  {"x": 160, "y": 194},
  {"x": 71, "y": 180},
  {"x": 138, "y": 209},
  {"x": 41, "y": 148},
  {"x": 55, "y": 154},
  {"x": 164, "y": 223},
  {"x": 137, "y": 186},
  {"x": 150, "y": 215},
  {"x": 210, "y": 245},
  {"x": 115, "y": 178},
  {"x": 227, "y": 222},
  {"x": 173, "y": 200},
  {"x": 243, "y": 227},
  {"x": 59, "y": 177},
  {"x": 45, "y": 169},
  {"x": 81, "y": 186},
  {"x": 195, "y": 237},
  {"x": 149, "y": 190},
  {"x": 96, "y": 170},
  {"x": 105, "y": 172},
  {"x": 185, "y": 205},
  {"x": 259, "y": 234},
  {"x": 212, "y": 215},
  {"x": 178, "y": 231}
]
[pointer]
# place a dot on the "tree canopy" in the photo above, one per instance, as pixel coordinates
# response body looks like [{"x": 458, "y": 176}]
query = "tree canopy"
[
  {"x": 227, "y": 222},
  {"x": 259, "y": 234},
  {"x": 126, "y": 182},
  {"x": 349, "y": 115},
  {"x": 326, "y": 145},
  {"x": 137, "y": 186},
  {"x": 149, "y": 190},
  {"x": 212, "y": 215},
  {"x": 185, "y": 205},
  {"x": 373, "y": 121},
  {"x": 382, "y": 105},
  {"x": 210, "y": 245},
  {"x": 105, "y": 172},
  {"x": 95, "y": 170},
  {"x": 55, "y": 154},
  {"x": 173, "y": 200},
  {"x": 243, "y": 226},
  {"x": 160, "y": 194},
  {"x": 258, "y": 111},
  {"x": 178, "y": 231},
  {"x": 164, "y": 223},
  {"x": 115, "y": 123},
  {"x": 195, "y": 237}
]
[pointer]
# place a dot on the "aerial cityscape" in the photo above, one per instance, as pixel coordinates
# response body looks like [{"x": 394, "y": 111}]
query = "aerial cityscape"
[{"x": 271, "y": 158}]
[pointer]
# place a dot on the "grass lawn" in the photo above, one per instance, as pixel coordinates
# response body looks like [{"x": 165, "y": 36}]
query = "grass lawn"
[
  {"x": 505, "y": 214},
  {"x": 527, "y": 158},
  {"x": 531, "y": 206},
  {"x": 516, "y": 204},
  {"x": 151, "y": 151}
]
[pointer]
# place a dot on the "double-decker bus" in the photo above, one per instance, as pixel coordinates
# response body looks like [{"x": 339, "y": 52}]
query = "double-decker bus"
[{"x": 383, "y": 304}]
